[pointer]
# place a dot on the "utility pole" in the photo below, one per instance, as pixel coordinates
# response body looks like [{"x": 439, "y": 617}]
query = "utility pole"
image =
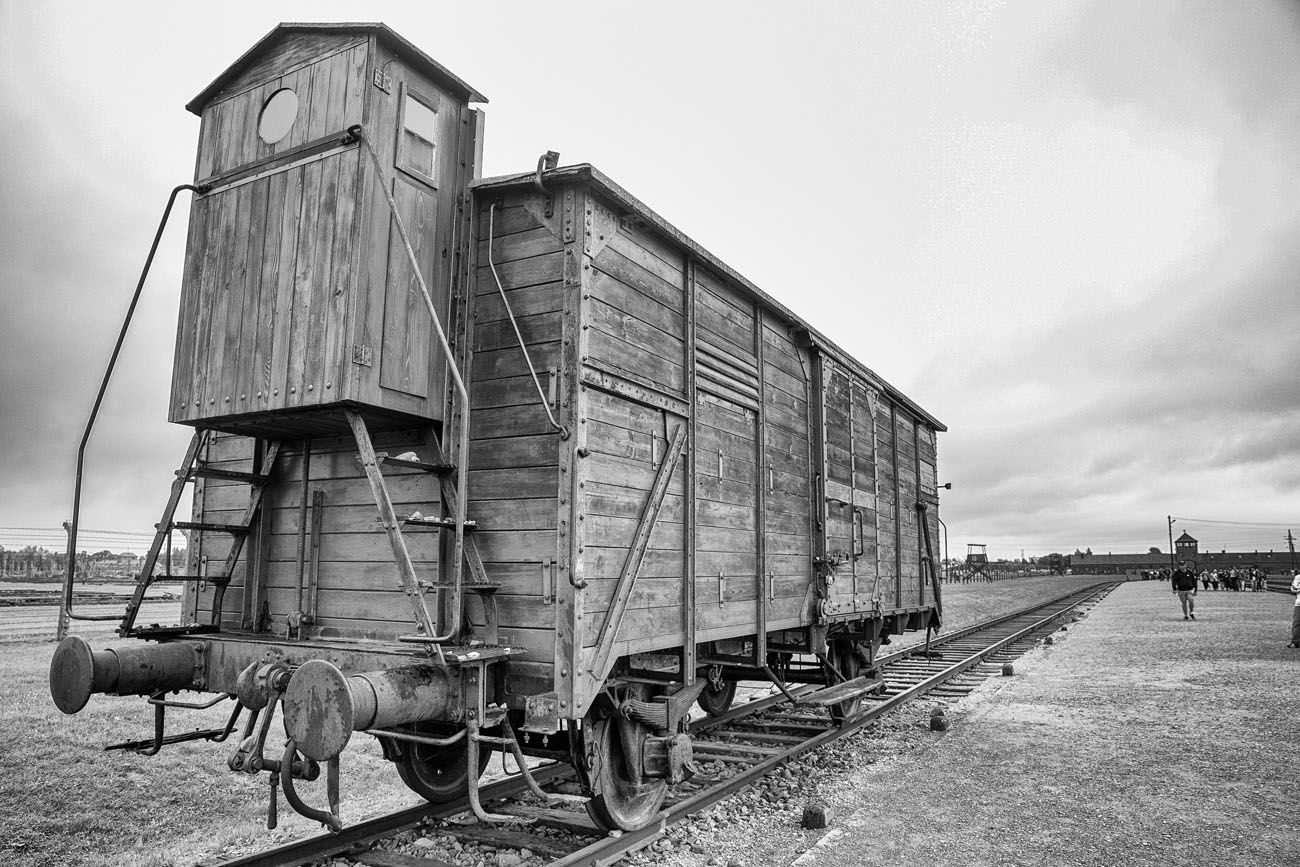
[
  {"x": 1290, "y": 543},
  {"x": 1172, "y": 564}
]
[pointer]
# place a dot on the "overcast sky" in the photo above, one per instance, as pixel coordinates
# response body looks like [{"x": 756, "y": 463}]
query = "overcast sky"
[{"x": 1068, "y": 229}]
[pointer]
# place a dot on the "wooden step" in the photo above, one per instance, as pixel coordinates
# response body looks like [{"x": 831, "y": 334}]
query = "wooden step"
[
  {"x": 233, "y": 529},
  {"x": 199, "y": 472},
  {"x": 384, "y": 459},
  {"x": 181, "y": 579},
  {"x": 418, "y": 522},
  {"x": 849, "y": 689}
]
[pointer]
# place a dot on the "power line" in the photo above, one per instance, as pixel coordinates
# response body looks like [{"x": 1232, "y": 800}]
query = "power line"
[{"x": 1237, "y": 523}]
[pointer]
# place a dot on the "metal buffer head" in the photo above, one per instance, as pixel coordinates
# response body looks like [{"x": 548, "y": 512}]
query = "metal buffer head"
[
  {"x": 77, "y": 672},
  {"x": 323, "y": 706}
]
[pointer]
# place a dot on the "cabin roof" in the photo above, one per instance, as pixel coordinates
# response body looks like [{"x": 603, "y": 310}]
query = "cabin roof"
[
  {"x": 412, "y": 55},
  {"x": 585, "y": 172}
]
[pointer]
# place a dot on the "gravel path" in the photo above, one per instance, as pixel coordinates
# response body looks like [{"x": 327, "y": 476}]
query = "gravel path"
[{"x": 1137, "y": 738}]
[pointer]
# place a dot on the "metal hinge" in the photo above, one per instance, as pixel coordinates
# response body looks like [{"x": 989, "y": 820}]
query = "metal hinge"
[
  {"x": 383, "y": 81},
  {"x": 362, "y": 355}
]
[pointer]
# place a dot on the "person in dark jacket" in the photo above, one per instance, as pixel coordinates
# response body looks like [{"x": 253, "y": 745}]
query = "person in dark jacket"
[{"x": 1184, "y": 584}]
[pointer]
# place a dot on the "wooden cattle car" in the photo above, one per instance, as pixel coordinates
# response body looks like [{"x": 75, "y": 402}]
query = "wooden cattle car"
[{"x": 481, "y": 461}]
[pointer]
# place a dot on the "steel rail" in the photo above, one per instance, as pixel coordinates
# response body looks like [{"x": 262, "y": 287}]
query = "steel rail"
[
  {"x": 610, "y": 849},
  {"x": 358, "y": 837},
  {"x": 751, "y": 707},
  {"x": 607, "y": 850}
]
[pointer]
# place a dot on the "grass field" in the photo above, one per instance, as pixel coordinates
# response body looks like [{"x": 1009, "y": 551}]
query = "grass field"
[{"x": 64, "y": 801}]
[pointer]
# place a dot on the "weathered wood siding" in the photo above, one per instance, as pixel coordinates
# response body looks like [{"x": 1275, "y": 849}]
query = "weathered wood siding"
[
  {"x": 298, "y": 293},
  {"x": 356, "y": 585},
  {"x": 264, "y": 301},
  {"x": 729, "y": 580},
  {"x": 909, "y": 538},
  {"x": 514, "y": 453},
  {"x": 325, "y": 71},
  {"x": 786, "y": 451},
  {"x": 887, "y": 505},
  {"x": 634, "y": 322}
]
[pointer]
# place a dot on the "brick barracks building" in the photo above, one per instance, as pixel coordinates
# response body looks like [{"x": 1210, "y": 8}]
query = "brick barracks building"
[{"x": 1185, "y": 548}]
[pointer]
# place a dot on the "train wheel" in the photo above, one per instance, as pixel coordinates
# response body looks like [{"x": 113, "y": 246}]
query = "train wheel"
[
  {"x": 718, "y": 694},
  {"x": 439, "y": 774},
  {"x": 621, "y": 800},
  {"x": 845, "y": 658}
]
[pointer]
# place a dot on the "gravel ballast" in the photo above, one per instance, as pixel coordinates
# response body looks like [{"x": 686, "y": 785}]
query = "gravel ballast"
[{"x": 1135, "y": 738}]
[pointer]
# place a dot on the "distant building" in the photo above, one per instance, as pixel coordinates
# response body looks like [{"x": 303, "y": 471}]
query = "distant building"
[{"x": 1185, "y": 548}]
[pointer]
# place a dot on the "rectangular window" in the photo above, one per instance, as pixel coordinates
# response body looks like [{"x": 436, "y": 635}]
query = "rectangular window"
[{"x": 417, "y": 146}]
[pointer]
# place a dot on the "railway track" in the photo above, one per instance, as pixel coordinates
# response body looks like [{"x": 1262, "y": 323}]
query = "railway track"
[{"x": 735, "y": 749}]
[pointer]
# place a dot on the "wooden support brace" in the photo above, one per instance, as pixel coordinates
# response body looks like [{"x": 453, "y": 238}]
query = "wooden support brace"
[
  {"x": 405, "y": 569},
  {"x": 600, "y": 662}
]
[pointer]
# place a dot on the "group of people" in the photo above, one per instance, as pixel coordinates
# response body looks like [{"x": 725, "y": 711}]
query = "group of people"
[
  {"x": 1250, "y": 578},
  {"x": 1234, "y": 579},
  {"x": 1183, "y": 580}
]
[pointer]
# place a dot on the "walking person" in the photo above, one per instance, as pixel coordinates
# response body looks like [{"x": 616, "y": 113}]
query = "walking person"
[
  {"x": 1184, "y": 584},
  {"x": 1295, "y": 612}
]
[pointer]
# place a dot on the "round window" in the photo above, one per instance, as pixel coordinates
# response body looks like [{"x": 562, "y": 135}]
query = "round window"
[{"x": 278, "y": 115}]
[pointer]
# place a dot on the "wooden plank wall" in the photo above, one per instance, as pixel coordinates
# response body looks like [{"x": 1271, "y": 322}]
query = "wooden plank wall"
[
  {"x": 729, "y": 580},
  {"x": 261, "y": 325},
  {"x": 787, "y": 457},
  {"x": 909, "y": 540},
  {"x": 635, "y": 330},
  {"x": 514, "y": 453},
  {"x": 927, "y": 455},
  {"x": 867, "y": 566},
  {"x": 327, "y": 72},
  {"x": 838, "y": 447},
  {"x": 886, "y": 505},
  {"x": 270, "y": 263},
  {"x": 359, "y": 591}
]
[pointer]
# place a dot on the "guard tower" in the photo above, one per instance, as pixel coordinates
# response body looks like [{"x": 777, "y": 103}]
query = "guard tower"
[
  {"x": 1186, "y": 548},
  {"x": 977, "y": 561},
  {"x": 299, "y": 297}
]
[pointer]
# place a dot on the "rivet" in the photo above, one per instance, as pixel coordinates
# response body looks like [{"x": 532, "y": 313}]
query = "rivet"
[
  {"x": 293, "y": 389},
  {"x": 311, "y": 387},
  {"x": 211, "y": 400},
  {"x": 276, "y": 391},
  {"x": 243, "y": 397},
  {"x": 259, "y": 394},
  {"x": 329, "y": 385}
]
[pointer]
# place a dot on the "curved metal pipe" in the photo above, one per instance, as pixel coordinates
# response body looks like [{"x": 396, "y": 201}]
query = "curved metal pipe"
[
  {"x": 328, "y": 818},
  {"x": 532, "y": 371},
  {"x": 70, "y": 571}
]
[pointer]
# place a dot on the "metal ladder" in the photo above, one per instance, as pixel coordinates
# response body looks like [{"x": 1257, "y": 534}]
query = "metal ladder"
[
  {"x": 465, "y": 552},
  {"x": 193, "y": 468}
]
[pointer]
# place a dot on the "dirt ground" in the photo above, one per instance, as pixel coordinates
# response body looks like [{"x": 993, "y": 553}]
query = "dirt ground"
[
  {"x": 1138, "y": 738},
  {"x": 64, "y": 801}
]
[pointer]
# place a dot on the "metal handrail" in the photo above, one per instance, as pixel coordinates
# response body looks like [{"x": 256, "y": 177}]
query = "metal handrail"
[
  {"x": 70, "y": 572},
  {"x": 541, "y": 396},
  {"x": 458, "y": 554}
]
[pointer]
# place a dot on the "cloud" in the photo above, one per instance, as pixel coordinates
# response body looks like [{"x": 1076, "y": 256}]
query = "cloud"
[{"x": 1179, "y": 391}]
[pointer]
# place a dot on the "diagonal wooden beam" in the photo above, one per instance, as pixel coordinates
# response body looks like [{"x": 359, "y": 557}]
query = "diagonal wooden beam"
[
  {"x": 636, "y": 553},
  {"x": 405, "y": 569}
]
